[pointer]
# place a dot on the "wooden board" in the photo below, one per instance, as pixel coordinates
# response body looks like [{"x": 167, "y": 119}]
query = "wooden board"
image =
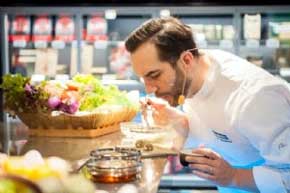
[{"x": 85, "y": 133}]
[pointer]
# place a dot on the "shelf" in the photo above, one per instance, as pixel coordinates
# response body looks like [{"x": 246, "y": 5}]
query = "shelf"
[
  {"x": 274, "y": 71},
  {"x": 265, "y": 44},
  {"x": 214, "y": 21},
  {"x": 125, "y": 84},
  {"x": 183, "y": 178}
]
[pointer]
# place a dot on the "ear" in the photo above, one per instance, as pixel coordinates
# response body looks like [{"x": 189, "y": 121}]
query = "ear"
[{"x": 186, "y": 60}]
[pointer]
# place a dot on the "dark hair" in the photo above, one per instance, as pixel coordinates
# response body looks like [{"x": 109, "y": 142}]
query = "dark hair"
[{"x": 170, "y": 36}]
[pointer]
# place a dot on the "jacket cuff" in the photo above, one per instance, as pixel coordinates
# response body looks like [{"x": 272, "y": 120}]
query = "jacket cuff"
[{"x": 268, "y": 180}]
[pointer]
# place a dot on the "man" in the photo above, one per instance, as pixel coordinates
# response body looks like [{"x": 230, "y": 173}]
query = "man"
[{"x": 237, "y": 111}]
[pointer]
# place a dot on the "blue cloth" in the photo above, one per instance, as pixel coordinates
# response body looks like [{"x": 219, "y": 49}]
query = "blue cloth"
[{"x": 231, "y": 190}]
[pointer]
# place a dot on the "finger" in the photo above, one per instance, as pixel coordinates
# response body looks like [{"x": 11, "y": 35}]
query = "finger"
[
  {"x": 203, "y": 168},
  {"x": 207, "y": 152},
  {"x": 143, "y": 100},
  {"x": 143, "y": 105},
  {"x": 204, "y": 175},
  {"x": 199, "y": 160},
  {"x": 157, "y": 104}
]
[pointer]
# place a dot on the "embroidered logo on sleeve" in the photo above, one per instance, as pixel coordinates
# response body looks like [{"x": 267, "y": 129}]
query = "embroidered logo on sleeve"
[
  {"x": 281, "y": 146},
  {"x": 222, "y": 137}
]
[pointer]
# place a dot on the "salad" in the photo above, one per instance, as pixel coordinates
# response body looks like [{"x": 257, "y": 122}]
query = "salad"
[{"x": 82, "y": 93}]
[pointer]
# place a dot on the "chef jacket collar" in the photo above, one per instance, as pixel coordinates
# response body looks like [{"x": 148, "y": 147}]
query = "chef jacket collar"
[{"x": 209, "y": 83}]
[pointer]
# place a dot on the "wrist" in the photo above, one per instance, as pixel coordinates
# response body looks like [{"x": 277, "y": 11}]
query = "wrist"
[
  {"x": 235, "y": 178},
  {"x": 243, "y": 179}
]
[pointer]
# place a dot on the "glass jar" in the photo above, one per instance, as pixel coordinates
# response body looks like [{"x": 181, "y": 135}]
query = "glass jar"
[{"x": 114, "y": 165}]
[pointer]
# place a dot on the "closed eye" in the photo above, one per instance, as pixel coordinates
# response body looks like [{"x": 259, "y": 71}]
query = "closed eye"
[{"x": 153, "y": 74}]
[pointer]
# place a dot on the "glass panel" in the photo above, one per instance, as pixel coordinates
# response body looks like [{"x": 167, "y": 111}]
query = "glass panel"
[
  {"x": 118, "y": 57},
  {"x": 94, "y": 49},
  {"x": 41, "y": 44},
  {"x": 104, "y": 52},
  {"x": 211, "y": 31},
  {"x": 265, "y": 41}
]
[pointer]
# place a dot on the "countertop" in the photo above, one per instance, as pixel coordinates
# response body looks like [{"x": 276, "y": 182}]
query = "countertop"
[
  {"x": 74, "y": 149},
  {"x": 154, "y": 166}
]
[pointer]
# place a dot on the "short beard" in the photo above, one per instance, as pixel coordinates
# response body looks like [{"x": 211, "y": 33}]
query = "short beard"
[{"x": 177, "y": 89}]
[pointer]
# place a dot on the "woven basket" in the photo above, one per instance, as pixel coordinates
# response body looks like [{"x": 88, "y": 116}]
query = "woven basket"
[{"x": 104, "y": 120}]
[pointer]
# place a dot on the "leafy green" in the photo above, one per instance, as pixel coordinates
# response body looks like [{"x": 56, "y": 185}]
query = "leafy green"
[
  {"x": 21, "y": 96},
  {"x": 13, "y": 87},
  {"x": 95, "y": 94},
  {"x": 91, "y": 100},
  {"x": 7, "y": 186},
  {"x": 115, "y": 96}
]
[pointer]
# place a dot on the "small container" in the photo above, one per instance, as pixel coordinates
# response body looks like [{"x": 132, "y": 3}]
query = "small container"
[
  {"x": 187, "y": 152},
  {"x": 114, "y": 165},
  {"x": 133, "y": 127}
]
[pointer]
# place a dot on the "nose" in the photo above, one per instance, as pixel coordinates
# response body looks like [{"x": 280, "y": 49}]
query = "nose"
[{"x": 149, "y": 87}]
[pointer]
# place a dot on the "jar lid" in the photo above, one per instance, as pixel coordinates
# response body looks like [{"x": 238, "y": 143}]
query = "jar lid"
[
  {"x": 115, "y": 158},
  {"x": 114, "y": 164}
]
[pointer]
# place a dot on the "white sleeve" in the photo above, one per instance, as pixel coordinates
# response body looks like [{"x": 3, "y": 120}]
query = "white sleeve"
[{"x": 265, "y": 121}]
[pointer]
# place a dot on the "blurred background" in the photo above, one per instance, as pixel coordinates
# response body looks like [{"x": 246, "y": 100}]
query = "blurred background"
[
  {"x": 58, "y": 39},
  {"x": 48, "y": 40}
]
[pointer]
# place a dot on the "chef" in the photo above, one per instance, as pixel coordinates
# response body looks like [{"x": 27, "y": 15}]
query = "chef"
[{"x": 237, "y": 114}]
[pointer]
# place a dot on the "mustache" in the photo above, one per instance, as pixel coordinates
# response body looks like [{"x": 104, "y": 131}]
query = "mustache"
[{"x": 163, "y": 94}]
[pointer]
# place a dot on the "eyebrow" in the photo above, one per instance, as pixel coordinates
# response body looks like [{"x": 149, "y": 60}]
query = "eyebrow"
[{"x": 151, "y": 72}]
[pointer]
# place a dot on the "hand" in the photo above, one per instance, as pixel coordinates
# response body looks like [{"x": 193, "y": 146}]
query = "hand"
[
  {"x": 211, "y": 167},
  {"x": 163, "y": 114}
]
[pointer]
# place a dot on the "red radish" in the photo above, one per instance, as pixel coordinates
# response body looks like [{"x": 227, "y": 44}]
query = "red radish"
[{"x": 54, "y": 102}]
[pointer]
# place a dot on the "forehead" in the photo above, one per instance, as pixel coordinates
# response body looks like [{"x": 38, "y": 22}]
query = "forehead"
[{"x": 145, "y": 59}]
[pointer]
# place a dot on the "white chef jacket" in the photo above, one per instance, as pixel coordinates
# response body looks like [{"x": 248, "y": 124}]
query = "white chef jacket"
[{"x": 243, "y": 113}]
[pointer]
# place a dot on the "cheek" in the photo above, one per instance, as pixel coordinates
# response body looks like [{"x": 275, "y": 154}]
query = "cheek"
[
  {"x": 167, "y": 83},
  {"x": 169, "y": 80}
]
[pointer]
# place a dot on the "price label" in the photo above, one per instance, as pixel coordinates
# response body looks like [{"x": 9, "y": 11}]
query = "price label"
[
  {"x": 19, "y": 44},
  {"x": 272, "y": 43},
  {"x": 120, "y": 43},
  {"x": 226, "y": 44},
  {"x": 285, "y": 71},
  {"x": 75, "y": 44},
  {"x": 101, "y": 44},
  {"x": 62, "y": 77},
  {"x": 252, "y": 43},
  {"x": 37, "y": 78},
  {"x": 57, "y": 44},
  {"x": 40, "y": 44}
]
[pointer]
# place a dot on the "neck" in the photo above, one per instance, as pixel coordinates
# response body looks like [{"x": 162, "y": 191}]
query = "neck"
[{"x": 200, "y": 72}]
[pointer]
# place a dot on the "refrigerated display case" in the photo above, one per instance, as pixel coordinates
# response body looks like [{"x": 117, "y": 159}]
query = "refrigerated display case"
[
  {"x": 94, "y": 40},
  {"x": 270, "y": 49},
  {"x": 40, "y": 44}
]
